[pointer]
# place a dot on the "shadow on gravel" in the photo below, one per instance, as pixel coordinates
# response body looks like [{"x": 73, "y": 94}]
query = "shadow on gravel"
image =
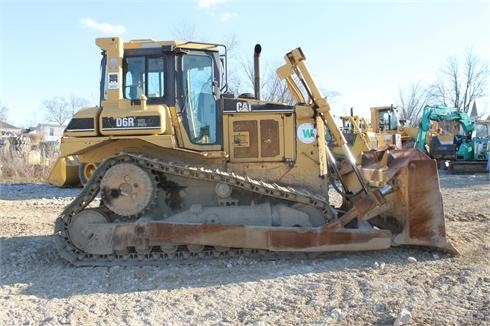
[
  {"x": 31, "y": 266},
  {"x": 448, "y": 180},
  {"x": 27, "y": 191}
]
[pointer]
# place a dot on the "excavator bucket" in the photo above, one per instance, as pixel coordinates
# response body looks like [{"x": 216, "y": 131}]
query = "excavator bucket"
[
  {"x": 415, "y": 204},
  {"x": 64, "y": 172}
]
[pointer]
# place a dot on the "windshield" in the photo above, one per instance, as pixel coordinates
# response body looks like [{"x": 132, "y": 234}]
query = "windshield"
[
  {"x": 200, "y": 104},
  {"x": 388, "y": 120},
  {"x": 482, "y": 130}
]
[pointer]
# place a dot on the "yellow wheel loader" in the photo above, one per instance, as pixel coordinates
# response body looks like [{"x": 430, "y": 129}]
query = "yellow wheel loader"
[{"x": 185, "y": 169}]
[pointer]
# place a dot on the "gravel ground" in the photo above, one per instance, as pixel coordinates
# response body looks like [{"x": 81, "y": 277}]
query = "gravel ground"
[{"x": 397, "y": 286}]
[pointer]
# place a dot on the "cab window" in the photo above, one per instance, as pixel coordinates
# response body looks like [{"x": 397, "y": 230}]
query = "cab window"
[
  {"x": 388, "y": 120},
  {"x": 144, "y": 76},
  {"x": 200, "y": 104}
]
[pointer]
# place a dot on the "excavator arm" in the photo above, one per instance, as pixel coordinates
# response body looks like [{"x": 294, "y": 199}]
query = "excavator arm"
[{"x": 441, "y": 113}]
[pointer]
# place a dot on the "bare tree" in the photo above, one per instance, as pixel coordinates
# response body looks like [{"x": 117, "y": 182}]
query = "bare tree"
[
  {"x": 76, "y": 103},
  {"x": 460, "y": 87},
  {"x": 232, "y": 74},
  {"x": 58, "y": 110},
  {"x": 272, "y": 88},
  {"x": 3, "y": 112},
  {"x": 184, "y": 31},
  {"x": 231, "y": 43},
  {"x": 412, "y": 101},
  {"x": 248, "y": 69},
  {"x": 276, "y": 89}
]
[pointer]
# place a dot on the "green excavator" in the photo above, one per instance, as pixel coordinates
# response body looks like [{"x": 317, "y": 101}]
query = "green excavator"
[{"x": 465, "y": 153}]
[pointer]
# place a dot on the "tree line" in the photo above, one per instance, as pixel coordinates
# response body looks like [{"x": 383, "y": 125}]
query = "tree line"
[
  {"x": 457, "y": 86},
  {"x": 58, "y": 109}
]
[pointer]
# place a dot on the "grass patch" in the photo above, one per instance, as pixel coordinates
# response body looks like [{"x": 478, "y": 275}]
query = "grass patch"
[{"x": 21, "y": 167}]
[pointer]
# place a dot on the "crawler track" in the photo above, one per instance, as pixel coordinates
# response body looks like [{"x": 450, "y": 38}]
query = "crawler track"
[{"x": 154, "y": 255}]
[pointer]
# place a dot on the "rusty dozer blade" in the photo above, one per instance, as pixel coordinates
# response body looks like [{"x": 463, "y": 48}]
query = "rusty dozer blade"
[
  {"x": 397, "y": 189},
  {"x": 415, "y": 198}
]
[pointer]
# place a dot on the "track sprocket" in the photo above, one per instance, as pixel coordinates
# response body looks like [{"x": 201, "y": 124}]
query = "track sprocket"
[{"x": 127, "y": 189}]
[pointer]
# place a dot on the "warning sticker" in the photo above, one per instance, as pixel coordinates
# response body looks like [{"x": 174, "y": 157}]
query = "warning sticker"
[{"x": 113, "y": 78}]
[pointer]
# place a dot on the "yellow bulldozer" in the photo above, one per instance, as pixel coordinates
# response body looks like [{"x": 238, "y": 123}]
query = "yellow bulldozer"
[
  {"x": 360, "y": 137},
  {"x": 185, "y": 169},
  {"x": 385, "y": 120}
]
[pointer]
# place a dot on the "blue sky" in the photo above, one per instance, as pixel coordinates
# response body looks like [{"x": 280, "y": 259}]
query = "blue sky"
[{"x": 364, "y": 50}]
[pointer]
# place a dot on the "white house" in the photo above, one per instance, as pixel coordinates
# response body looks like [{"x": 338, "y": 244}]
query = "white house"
[{"x": 51, "y": 132}]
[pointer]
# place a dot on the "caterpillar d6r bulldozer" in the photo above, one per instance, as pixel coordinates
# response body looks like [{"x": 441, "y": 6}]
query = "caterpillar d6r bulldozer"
[{"x": 184, "y": 169}]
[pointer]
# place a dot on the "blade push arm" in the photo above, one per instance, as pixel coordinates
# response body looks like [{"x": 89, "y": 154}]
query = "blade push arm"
[{"x": 296, "y": 65}]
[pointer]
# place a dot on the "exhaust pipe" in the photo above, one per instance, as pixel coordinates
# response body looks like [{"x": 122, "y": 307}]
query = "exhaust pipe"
[{"x": 257, "y": 51}]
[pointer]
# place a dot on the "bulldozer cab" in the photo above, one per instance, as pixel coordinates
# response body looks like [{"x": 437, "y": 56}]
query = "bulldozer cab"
[
  {"x": 153, "y": 94},
  {"x": 162, "y": 77},
  {"x": 384, "y": 119}
]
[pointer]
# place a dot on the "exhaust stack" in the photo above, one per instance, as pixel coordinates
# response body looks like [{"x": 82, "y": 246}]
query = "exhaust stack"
[{"x": 257, "y": 51}]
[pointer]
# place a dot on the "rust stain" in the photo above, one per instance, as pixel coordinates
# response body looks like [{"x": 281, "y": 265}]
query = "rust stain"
[{"x": 270, "y": 238}]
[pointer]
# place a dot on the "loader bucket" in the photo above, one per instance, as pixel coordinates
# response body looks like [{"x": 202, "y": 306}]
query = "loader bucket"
[
  {"x": 416, "y": 204},
  {"x": 64, "y": 172}
]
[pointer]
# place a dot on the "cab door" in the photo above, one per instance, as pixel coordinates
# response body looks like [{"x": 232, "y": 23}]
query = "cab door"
[{"x": 198, "y": 103}]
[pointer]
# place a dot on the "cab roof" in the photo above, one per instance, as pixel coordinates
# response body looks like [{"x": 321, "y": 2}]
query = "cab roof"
[{"x": 150, "y": 43}]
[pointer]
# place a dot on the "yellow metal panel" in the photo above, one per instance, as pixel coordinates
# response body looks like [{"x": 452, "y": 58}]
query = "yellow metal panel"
[
  {"x": 149, "y": 43},
  {"x": 133, "y": 120},
  {"x": 248, "y": 144},
  {"x": 85, "y": 123},
  {"x": 113, "y": 47},
  {"x": 289, "y": 138},
  {"x": 64, "y": 172},
  {"x": 83, "y": 145}
]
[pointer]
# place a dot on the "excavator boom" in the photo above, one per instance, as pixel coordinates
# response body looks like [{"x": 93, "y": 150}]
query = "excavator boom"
[{"x": 440, "y": 113}]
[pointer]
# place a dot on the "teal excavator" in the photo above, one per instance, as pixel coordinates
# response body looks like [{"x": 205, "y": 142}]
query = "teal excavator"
[{"x": 466, "y": 153}]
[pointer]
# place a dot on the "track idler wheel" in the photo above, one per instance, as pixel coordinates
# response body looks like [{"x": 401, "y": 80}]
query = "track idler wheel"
[
  {"x": 85, "y": 171},
  {"x": 87, "y": 232},
  {"x": 127, "y": 189}
]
